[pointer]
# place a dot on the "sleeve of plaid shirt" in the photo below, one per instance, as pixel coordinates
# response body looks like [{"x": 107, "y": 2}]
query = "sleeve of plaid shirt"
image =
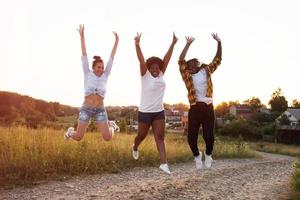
[
  {"x": 183, "y": 69},
  {"x": 217, "y": 59}
]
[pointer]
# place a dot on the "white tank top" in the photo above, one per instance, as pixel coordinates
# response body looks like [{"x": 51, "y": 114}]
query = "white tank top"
[{"x": 153, "y": 90}]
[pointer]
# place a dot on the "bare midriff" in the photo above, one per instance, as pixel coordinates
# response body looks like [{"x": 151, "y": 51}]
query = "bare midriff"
[{"x": 93, "y": 100}]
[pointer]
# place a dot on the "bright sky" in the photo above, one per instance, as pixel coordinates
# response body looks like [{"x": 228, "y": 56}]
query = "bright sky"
[{"x": 40, "y": 47}]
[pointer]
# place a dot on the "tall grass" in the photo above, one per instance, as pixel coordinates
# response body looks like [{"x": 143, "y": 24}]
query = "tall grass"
[
  {"x": 28, "y": 155},
  {"x": 291, "y": 150},
  {"x": 296, "y": 181}
]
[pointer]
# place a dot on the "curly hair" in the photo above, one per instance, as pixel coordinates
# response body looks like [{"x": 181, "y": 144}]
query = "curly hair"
[
  {"x": 96, "y": 60},
  {"x": 154, "y": 60}
]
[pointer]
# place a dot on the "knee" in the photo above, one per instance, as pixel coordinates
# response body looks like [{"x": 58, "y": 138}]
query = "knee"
[
  {"x": 107, "y": 137},
  {"x": 77, "y": 138}
]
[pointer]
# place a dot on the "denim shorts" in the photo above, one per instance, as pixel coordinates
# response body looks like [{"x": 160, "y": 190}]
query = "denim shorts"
[
  {"x": 148, "y": 118},
  {"x": 86, "y": 113}
]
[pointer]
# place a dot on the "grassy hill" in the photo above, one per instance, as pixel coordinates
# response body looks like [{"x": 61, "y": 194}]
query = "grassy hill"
[{"x": 17, "y": 109}]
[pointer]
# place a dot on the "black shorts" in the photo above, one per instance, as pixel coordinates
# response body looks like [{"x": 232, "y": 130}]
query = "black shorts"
[{"x": 148, "y": 118}]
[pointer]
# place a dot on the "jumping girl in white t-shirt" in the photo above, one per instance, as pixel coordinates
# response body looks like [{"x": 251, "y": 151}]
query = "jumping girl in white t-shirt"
[
  {"x": 94, "y": 92},
  {"x": 151, "y": 110}
]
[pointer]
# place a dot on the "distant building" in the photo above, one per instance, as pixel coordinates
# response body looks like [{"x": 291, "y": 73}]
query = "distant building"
[
  {"x": 264, "y": 110},
  {"x": 289, "y": 134},
  {"x": 241, "y": 111},
  {"x": 173, "y": 119},
  {"x": 293, "y": 116},
  {"x": 173, "y": 115}
]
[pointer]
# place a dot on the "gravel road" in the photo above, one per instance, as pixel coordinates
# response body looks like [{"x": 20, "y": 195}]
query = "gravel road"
[{"x": 267, "y": 178}]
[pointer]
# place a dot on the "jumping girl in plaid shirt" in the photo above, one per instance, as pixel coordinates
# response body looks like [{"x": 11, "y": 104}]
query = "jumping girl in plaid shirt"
[{"x": 197, "y": 78}]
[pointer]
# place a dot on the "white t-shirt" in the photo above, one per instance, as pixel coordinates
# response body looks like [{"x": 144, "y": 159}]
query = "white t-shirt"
[
  {"x": 153, "y": 90},
  {"x": 94, "y": 84},
  {"x": 200, "y": 85}
]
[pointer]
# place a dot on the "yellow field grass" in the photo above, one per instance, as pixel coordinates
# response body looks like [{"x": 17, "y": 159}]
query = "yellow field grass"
[
  {"x": 28, "y": 155},
  {"x": 291, "y": 150}
]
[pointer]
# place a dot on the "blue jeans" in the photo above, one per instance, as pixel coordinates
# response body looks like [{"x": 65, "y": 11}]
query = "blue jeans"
[{"x": 86, "y": 113}]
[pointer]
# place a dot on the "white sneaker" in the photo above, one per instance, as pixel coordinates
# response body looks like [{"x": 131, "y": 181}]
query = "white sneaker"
[
  {"x": 208, "y": 161},
  {"x": 69, "y": 133},
  {"x": 135, "y": 154},
  {"x": 165, "y": 168},
  {"x": 112, "y": 131},
  {"x": 198, "y": 161}
]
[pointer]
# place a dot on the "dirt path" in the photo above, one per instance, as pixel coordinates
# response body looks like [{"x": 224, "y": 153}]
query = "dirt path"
[{"x": 268, "y": 178}]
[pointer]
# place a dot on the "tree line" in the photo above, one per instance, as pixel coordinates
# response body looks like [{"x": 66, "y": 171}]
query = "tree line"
[
  {"x": 277, "y": 103},
  {"x": 16, "y": 109},
  {"x": 260, "y": 125}
]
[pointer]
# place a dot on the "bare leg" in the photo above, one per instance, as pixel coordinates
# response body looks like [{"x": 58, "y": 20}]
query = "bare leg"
[
  {"x": 105, "y": 130},
  {"x": 81, "y": 128},
  {"x": 159, "y": 135},
  {"x": 143, "y": 129}
]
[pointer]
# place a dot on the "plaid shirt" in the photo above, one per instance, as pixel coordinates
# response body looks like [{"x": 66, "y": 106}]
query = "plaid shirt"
[{"x": 187, "y": 77}]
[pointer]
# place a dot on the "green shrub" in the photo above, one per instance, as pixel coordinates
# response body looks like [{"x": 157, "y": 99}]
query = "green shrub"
[
  {"x": 269, "y": 129},
  {"x": 241, "y": 129}
]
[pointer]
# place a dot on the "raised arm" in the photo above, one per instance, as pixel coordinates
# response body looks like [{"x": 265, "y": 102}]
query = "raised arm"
[
  {"x": 143, "y": 68},
  {"x": 219, "y": 50},
  {"x": 82, "y": 40},
  {"x": 218, "y": 57},
  {"x": 189, "y": 41},
  {"x": 84, "y": 60},
  {"x": 114, "y": 49},
  {"x": 112, "y": 55},
  {"x": 169, "y": 53}
]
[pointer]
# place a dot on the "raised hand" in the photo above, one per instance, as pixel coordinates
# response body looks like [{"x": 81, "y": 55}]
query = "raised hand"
[
  {"x": 189, "y": 39},
  {"x": 174, "y": 39},
  {"x": 116, "y": 36},
  {"x": 168, "y": 55},
  {"x": 139, "y": 53},
  {"x": 82, "y": 40},
  {"x": 216, "y": 37},
  {"x": 114, "y": 49},
  {"x": 81, "y": 29},
  {"x": 137, "y": 38}
]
